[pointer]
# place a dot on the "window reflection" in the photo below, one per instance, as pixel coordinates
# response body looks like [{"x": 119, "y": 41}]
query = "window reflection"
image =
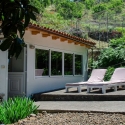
[
  {"x": 71, "y": 61},
  {"x": 78, "y": 65},
  {"x": 42, "y": 62},
  {"x": 56, "y": 63},
  {"x": 68, "y": 64}
]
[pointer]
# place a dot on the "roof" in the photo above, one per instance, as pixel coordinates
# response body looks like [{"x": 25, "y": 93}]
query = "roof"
[{"x": 55, "y": 34}]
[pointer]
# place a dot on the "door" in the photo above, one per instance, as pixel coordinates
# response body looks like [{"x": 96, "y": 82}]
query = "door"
[
  {"x": 17, "y": 75},
  {"x": 16, "y": 84}
]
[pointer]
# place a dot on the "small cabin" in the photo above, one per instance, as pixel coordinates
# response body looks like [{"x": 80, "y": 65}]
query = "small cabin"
[{"x": 49, "y": 61}]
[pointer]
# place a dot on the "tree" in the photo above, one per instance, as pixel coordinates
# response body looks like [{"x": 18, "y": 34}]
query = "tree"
[
  {"x": 15, "y": 16},
  {"x": 68, "y": 9},
  {"x": 38, "y": 4}
]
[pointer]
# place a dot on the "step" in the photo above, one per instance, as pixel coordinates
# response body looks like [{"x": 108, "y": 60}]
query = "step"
[{"x": 61, "y": 95}]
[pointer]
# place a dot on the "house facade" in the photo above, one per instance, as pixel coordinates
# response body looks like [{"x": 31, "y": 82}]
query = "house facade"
[{"x": 50, "y": 60}]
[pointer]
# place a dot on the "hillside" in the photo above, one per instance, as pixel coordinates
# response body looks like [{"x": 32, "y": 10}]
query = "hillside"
[{"x": 83, "y": 17}]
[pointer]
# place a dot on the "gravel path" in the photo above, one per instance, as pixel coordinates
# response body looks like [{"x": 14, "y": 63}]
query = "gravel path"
[
  {"x": 93, "y": 113},
  {"x": 76, "y": 118}
]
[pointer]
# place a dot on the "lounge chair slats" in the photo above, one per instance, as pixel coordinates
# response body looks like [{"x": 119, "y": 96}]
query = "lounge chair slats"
[
  {"x": 117, "y": 79},
  {"x": 97, "y": 75}
]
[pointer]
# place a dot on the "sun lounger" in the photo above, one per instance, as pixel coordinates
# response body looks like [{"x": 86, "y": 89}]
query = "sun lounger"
[
  {"x": 97, "y": 75},
  {"x": 39, "y": 72},
  {"x": 117, "y": 79}
]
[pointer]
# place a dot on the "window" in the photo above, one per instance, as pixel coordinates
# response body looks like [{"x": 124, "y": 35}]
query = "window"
[
  {"x": 68, "y": 64},
  {"x": 78, "y": 65},
  {"x": 42, "y": 62},
  {"x": 56, "y": 63},
  {"x": 49, "y": 63}
]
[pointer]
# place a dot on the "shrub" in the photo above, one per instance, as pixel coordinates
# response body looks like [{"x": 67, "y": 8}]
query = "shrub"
[
  {"x": 17, "y": 108},
  {"x": 109, "y": 73}
]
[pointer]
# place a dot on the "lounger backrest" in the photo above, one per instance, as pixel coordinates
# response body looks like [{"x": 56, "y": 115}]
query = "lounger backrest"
[
  {"x": 97, "y": 75},
  {"x": 118, "y": 75},
  {"x": 39, "y": 72}
]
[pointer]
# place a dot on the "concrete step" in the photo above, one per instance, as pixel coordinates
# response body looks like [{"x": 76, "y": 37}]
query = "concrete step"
[
  {"x": 50, "y": 97},
  {"x": 73, "y": 95},
  {"x": 80, "y": 106}
]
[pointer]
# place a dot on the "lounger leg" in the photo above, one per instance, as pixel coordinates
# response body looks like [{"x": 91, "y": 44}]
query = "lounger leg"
[
  {"x": 115, "y": 88},
  {"x": 79, "y": 89},
  {"x": 66, "y": 89},
  {"x": 88, "y": 89},
  {"x": 103, "y": 89}
]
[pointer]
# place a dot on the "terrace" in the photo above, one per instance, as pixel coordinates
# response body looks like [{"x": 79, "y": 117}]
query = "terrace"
[{"x": 73, "y": 95}]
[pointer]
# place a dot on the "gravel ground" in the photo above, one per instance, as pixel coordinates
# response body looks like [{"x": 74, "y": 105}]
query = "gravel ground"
[{"x": 75, "y": 118}]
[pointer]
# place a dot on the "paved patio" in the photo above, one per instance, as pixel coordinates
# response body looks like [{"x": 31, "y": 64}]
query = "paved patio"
[
  {"x": 73, "y": 95},
  {"x": 60, "y": 101},
  {"x": 73, "y": 91}
]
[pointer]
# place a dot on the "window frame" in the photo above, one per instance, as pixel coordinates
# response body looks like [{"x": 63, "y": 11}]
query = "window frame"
[
  {"x": 63, "y": 53},
  {"x": 35, "y": 64}
]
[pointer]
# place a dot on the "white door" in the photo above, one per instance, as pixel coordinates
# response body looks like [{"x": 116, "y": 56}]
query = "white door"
[
  {"x": 17, "y": 75},
  {"x": 16, "y": 84}
]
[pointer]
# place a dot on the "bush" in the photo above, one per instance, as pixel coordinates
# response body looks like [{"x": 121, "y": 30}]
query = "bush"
[
  {"x": 113, "y": 56},
  {"x": 109, "y": 73},
  {"x": 17, "y": 108}
]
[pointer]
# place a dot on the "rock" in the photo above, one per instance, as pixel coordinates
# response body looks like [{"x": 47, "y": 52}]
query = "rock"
[
  {"x": 32, "y": 118},
  {"x": 44, "y": 112},
  {"x": 20, "y": 122},
  {"x": 32, "y": 115}
]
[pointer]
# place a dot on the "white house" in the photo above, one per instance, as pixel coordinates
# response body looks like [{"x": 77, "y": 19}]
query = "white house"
[{"x": 50, "y": 60}]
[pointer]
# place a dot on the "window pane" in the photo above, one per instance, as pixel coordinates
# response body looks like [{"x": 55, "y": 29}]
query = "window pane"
[
  {"x": 42, "y": 62},
  {"x": 78, "y": 65},
  {"x": 68, "y": 64},
  {"x": 56, "y": 63}
]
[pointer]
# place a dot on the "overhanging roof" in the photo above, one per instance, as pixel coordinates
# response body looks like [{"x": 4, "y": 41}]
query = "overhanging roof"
[{"x": 36, "y": 29}]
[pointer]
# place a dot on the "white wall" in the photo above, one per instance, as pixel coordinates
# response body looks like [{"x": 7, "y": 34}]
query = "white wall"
[
  {"x": 35, "y": 85},
  {"x": 4, "y": 73}
]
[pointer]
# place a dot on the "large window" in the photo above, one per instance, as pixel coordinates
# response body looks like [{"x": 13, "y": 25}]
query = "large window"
[
  {"x": 56, "y": 63},
  {"x": 42, "y": 62},
  {"x": 53, "y": 63},
  {"x": 78, "y": 65},
  {"x": 68, "y": 64}
]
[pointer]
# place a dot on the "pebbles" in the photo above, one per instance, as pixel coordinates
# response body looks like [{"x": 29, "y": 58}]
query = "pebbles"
[{"x": 69, "y": 118}]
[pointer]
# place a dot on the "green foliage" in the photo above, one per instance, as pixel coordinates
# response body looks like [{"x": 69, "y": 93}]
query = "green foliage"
[
  {"x": 109, "y": 73},
  {"x": 99, "y": 10},
  {"x": 15, "y": 16},
  {"x": 56, "y": 63},
  {"x": 117, "y": 4},
  {"x": 120, "y": 29},
  {"x": 118, "y": 43},
  {"x": 114, "y": 55},
  {"x": 111, "y": 57},
  {"x": 17, "y": 108},
  {"x": 68, "y": 9},
  {"x": 89, "y": 3},
  {"x": 38, "y": 5},
  {"x": 41, "y": 4},
  {"x": 53, "y": 20},
  {"x": 109, "y": 7}
]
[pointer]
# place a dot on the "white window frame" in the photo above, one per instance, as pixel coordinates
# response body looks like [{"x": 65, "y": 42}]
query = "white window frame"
[{"x": 63, "y": 53}]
